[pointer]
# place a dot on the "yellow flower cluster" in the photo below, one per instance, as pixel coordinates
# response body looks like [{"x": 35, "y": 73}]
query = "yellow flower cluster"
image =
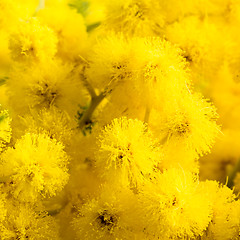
[{"x": 105, "y": 124}]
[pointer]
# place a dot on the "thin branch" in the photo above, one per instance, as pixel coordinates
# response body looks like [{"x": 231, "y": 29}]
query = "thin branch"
[
  {"x": 95, "y": 101},
  {"x": 86, "y": 118},
  {"x": 88, "y": 86}
]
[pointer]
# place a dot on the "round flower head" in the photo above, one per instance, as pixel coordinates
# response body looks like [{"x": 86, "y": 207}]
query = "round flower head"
[
  {"x": 139, "y": 18},
  {"x": 225, "y": 223},
  {"x": 69, "y": 27},
  {"x": 37, "y": 165},
  {"x": 188, "y": 129},
  {"x": 202, "y": 50},
  {"x": 173, "y": 207},
  {"x": 55, "y": 123},
  {"x": 127, "y": 151},
  {"x": 32, "y": 42},
  {"x": 42, "y": 86},
  {"x": 109, "y": 62},
  {"x": 5, "y": 129},
  {"x": 110, "y": 216},
  {"x": 24, "y": 222},
  {"x": 161, "y": 74}
]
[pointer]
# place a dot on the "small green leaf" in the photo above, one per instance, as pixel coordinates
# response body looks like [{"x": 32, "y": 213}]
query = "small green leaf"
[{"x": 92, "y": 26}]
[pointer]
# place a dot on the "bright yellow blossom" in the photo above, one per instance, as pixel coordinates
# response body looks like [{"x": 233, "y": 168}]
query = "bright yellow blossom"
[
  {"x": 139, "y": 18},
  {"x": 173, "y": 207},
  {"x": 127, "y": 152},
  {"x": 190, "y": 127},
  {"x": 45, "y": 85},
  {"x": 25, "y": 222},
  {"x": 36, "y": 166},
  {"x": 110, "y": 216},
  {"x": 225, "y": 223},
  {"x": 54, "y": 122},
  {"x": 70, "y": 29},
  {"x": 32, "y": 42}
]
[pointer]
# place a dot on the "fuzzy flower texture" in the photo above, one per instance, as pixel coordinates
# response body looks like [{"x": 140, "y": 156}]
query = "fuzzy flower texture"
[{"x": 119, "y": 120}]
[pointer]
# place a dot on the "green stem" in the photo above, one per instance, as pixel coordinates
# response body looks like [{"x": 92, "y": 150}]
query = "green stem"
[
  {"x": 95, "y": 101},
  {"x": 86, "y": 118}
]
